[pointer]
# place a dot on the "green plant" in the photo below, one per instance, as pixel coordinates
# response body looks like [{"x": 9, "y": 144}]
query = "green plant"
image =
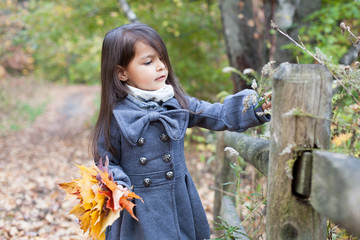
[
  {"x": 249, "y": 202},
  {"x": 345, "y": 120},
  {"x": 320, "y": 30},
  {"x": 260, "y": 83},
  {"x": 230, "y": 231},
  {"x": 334, "y": 232}
]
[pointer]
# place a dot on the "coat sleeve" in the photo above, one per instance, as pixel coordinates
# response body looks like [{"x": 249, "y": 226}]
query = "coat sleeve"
[
  {"x": 114, "y": 163},
  {"x": 226, "y": 116}
]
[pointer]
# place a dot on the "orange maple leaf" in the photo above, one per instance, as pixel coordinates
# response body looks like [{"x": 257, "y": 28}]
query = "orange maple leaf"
[
  {"x": 96, "y": 192},
  {"x": 129, "y": 206}
]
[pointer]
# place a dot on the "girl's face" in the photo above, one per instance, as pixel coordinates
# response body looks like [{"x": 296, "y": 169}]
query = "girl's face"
[{"x": 146, "y": 70}]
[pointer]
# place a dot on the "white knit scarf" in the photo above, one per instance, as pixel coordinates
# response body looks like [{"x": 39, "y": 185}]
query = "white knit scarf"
[{"x": 161, "y": 95}]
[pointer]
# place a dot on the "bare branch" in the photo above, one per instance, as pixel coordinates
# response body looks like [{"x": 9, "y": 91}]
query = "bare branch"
[
  {"x": 131, "y": 16},
  {"x": 302, "y": 46}
]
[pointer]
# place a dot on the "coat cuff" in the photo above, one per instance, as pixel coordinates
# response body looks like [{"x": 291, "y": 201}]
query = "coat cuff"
[
  {"x": 120, "y": 177},
  {"x": 262, "y": 118}
]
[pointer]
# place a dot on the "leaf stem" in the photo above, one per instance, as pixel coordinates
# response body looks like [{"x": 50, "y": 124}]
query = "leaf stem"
[{"x": 247, "y": 217}]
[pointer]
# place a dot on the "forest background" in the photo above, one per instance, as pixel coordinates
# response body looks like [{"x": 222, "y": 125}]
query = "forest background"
[{"x": 60, "y": 42}]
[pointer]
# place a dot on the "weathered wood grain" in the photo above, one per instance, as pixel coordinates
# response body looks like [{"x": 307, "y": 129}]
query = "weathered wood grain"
[
  {"x": 251, "y": 149},
  {"x": 335, "y": 188},
  {"x": 308, "y": 88}
]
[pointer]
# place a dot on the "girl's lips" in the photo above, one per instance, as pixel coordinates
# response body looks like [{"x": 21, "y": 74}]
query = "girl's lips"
[{"x": 160, "y": 78}]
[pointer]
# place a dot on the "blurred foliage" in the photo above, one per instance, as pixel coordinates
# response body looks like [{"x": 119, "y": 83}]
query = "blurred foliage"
[
  {"x": 18, "y": 111},
  {"x": 14, "y": 57},
  {"x": 345, "y": 128},
  {"x": 323, "y": 36},
  {"x": 202, "y": 141},
  {"x": 322, "y": 29},
  {"x": 65, "y": 38}
]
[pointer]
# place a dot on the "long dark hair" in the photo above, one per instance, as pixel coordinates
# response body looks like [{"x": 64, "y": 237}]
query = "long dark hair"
[{"x": 119, "y": 49}]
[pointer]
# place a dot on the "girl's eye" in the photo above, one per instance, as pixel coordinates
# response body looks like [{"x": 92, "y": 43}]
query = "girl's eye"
[{"x": 148, "y": 62}]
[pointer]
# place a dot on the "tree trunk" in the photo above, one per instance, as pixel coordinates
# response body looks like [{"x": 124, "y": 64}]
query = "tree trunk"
[
  {"x": 241, "y": 38},
  {"x": 246, "y": 26},
  {"x": 308, "y": 88},
  {"x": 289, "y": 15}
]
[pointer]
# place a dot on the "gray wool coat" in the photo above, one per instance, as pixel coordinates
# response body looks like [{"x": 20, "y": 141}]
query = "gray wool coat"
[{"x": 149, "y": 139}]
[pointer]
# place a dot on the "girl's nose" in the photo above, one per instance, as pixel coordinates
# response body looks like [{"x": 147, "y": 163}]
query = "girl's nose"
[{"x": 160, "y": 65}]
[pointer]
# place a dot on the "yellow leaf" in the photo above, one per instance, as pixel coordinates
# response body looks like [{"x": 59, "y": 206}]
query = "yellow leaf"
[
  {"x": 87, "y": 171},
  {"x": 102, "y": 236},
  {"x": 99, "y": 199},
  {"x": 77, "y": 210},
  {"x": 95, "y": 224},
  {"x": 97, "y": 192},
  {"x": 85, "y": 221},
  {"x": 110, "y": 219},
  {"x": 70, "y": 187},
  {"x": 87, "y": 206},
  {"x": 338, "y": 140},
  {"x": 85, "y": 184}
]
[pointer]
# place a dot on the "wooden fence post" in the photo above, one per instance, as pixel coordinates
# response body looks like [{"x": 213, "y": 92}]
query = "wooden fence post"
[{"x": 307, "y": 88}]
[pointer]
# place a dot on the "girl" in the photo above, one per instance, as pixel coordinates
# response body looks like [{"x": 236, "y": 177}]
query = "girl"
[{"x": 143, "y": 117}]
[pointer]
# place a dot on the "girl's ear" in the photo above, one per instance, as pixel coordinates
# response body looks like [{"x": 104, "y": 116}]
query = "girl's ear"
[{"x": 121, "y": 73}]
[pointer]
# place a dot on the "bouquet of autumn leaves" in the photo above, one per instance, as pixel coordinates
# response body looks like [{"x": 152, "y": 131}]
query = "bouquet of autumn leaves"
[{"x": 101, "y": 199}]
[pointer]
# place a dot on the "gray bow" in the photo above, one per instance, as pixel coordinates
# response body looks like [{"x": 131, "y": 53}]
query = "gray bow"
[{"x": 133, "y": 124}]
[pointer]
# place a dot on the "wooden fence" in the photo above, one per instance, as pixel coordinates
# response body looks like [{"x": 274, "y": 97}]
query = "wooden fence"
[{"x": 322, "y": 185}]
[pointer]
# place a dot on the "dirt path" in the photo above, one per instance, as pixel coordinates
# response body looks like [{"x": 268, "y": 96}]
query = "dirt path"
[{"x": 34, "y": 160}]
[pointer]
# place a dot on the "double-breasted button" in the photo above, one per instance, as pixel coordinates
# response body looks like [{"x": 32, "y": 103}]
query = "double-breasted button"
[
  {"x": 141, "y": 141},
  {"x": 166, "y": 158},
  {"x": 147, "y": 182},
  {"x": 169, "y": 175},
  {"x": 164, "y": 137},
  {"x": 143, "y": 160}
]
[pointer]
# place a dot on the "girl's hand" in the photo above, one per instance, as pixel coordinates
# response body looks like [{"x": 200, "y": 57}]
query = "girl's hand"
[
  {"x": 117, "y": 194},
  {"x": 267, "y": 103}
]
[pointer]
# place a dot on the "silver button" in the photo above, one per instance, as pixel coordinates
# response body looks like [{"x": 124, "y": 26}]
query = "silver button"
[
  {"x": 166, "y": 158},
  {"x": 169, "y": 175},
  {"x": 141, "y": 141},
  {"x": 164, "y": 137},
  {"x": 147, "y": 182},
  {"x": 143, "y": 160}
]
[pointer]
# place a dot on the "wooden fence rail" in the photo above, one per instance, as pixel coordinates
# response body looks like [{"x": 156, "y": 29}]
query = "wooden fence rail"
[
  {"x": 335, "y": 179},
  {"x": 335, "y": 188},
  {"x": 251, "y": 149},
  {"x": 324, "y": 184}
]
